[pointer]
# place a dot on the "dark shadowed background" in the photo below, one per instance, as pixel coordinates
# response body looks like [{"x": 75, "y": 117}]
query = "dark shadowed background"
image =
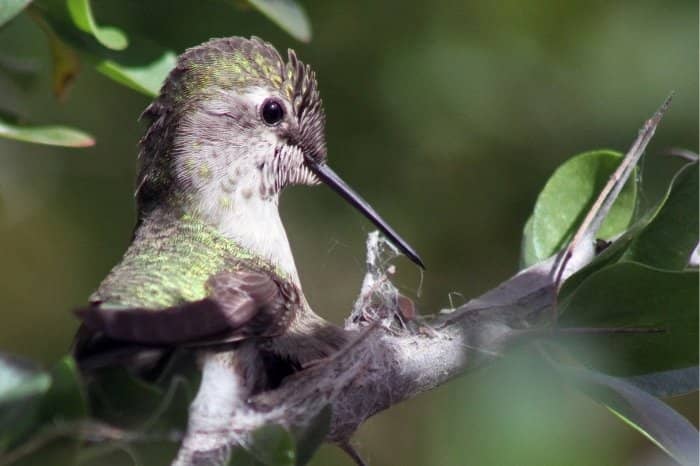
[{"x": 447, "y": 116}]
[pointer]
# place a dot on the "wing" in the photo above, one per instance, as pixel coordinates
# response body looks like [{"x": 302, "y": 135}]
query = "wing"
[{"x": 240, "y": 304}]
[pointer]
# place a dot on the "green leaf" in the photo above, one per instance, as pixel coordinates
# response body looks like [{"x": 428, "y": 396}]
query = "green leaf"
[
  {"x": 528, "y": 256},
  {"x": 242, "y": 457},
  {"x": 669, "y": 238},
  {"x": 288, "y": 15},
  {"x": 650, "y": 416},
  {"x": 634, "y": 295},
  {"x": 666, "y": 384},
  {"x": 65, "y": 400},
  {"x": 142, "y": 67},
  {"x": 63, "y": 408},
  {"x": 11, "y": 8},
  {"x": 20, "y": 379},
  {"x": 273, "y": 445},
  {"x": 81, "y": 14},
  {"x": 142, "y": 76},
  {"x": 311, "y": 438},
  {"x": 51, "y": 409},
  {"x": 122, "y": 399},
  {"x": 673, "y": 232},
  {"x": 22, "y": 384},
  {"x": 567, "y": 197},
  {"x": 50, "y": 135}
]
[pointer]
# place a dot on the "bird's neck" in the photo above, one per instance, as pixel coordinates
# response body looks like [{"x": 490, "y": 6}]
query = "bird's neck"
[
  {"x": 253, "y": 224},
  {"x": 256, "y": 226}
]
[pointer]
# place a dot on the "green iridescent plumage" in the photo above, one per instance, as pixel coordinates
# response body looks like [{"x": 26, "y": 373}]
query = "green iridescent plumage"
[{"x": 170, "y": 261}]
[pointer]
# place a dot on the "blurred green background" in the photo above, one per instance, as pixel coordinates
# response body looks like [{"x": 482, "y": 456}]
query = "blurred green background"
[{"x": 448, "y": 116}]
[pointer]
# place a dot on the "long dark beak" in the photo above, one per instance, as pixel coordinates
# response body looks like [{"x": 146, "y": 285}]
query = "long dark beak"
[{"x": 328, "y": 176}]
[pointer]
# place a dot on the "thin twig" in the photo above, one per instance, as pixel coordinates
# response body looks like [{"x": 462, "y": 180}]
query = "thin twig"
[
  {"x": 685, "y": 154},
  {"x": 80, "y": 430},
  {"x": 352, "y": 453},
  {"x": 600, "y": 208}
]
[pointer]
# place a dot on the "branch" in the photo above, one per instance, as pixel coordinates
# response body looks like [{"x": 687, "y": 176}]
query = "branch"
[{"x": 391, "y": 359}]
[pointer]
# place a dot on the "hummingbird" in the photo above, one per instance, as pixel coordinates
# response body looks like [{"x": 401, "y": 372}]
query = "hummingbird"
[{"x": 209, "y": 262}]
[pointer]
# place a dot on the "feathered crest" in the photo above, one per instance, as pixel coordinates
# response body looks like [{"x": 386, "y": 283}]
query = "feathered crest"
[
  {"x": 224, "y": 63},
  {"x": 307, "y": 105}
]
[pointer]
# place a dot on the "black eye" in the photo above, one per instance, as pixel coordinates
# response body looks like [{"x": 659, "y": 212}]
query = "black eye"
[{"x": 272, "y": 111}]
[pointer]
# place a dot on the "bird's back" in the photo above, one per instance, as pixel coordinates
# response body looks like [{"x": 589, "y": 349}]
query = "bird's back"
[{"x": 169, "y": 262}]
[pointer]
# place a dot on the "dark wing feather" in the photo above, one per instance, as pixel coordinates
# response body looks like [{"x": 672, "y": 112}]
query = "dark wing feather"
[
  {"x": 240, "y": 304},
  {"x": 162, "y": 326}
]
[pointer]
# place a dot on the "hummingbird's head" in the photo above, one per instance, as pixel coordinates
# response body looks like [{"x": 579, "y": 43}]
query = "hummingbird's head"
[
  {"x": 233, "y": 125},
  {"x": 232, "y": 118}
]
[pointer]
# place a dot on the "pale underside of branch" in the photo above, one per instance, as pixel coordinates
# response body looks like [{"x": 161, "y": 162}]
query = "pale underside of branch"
[{"x": 390, "y": 359}]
